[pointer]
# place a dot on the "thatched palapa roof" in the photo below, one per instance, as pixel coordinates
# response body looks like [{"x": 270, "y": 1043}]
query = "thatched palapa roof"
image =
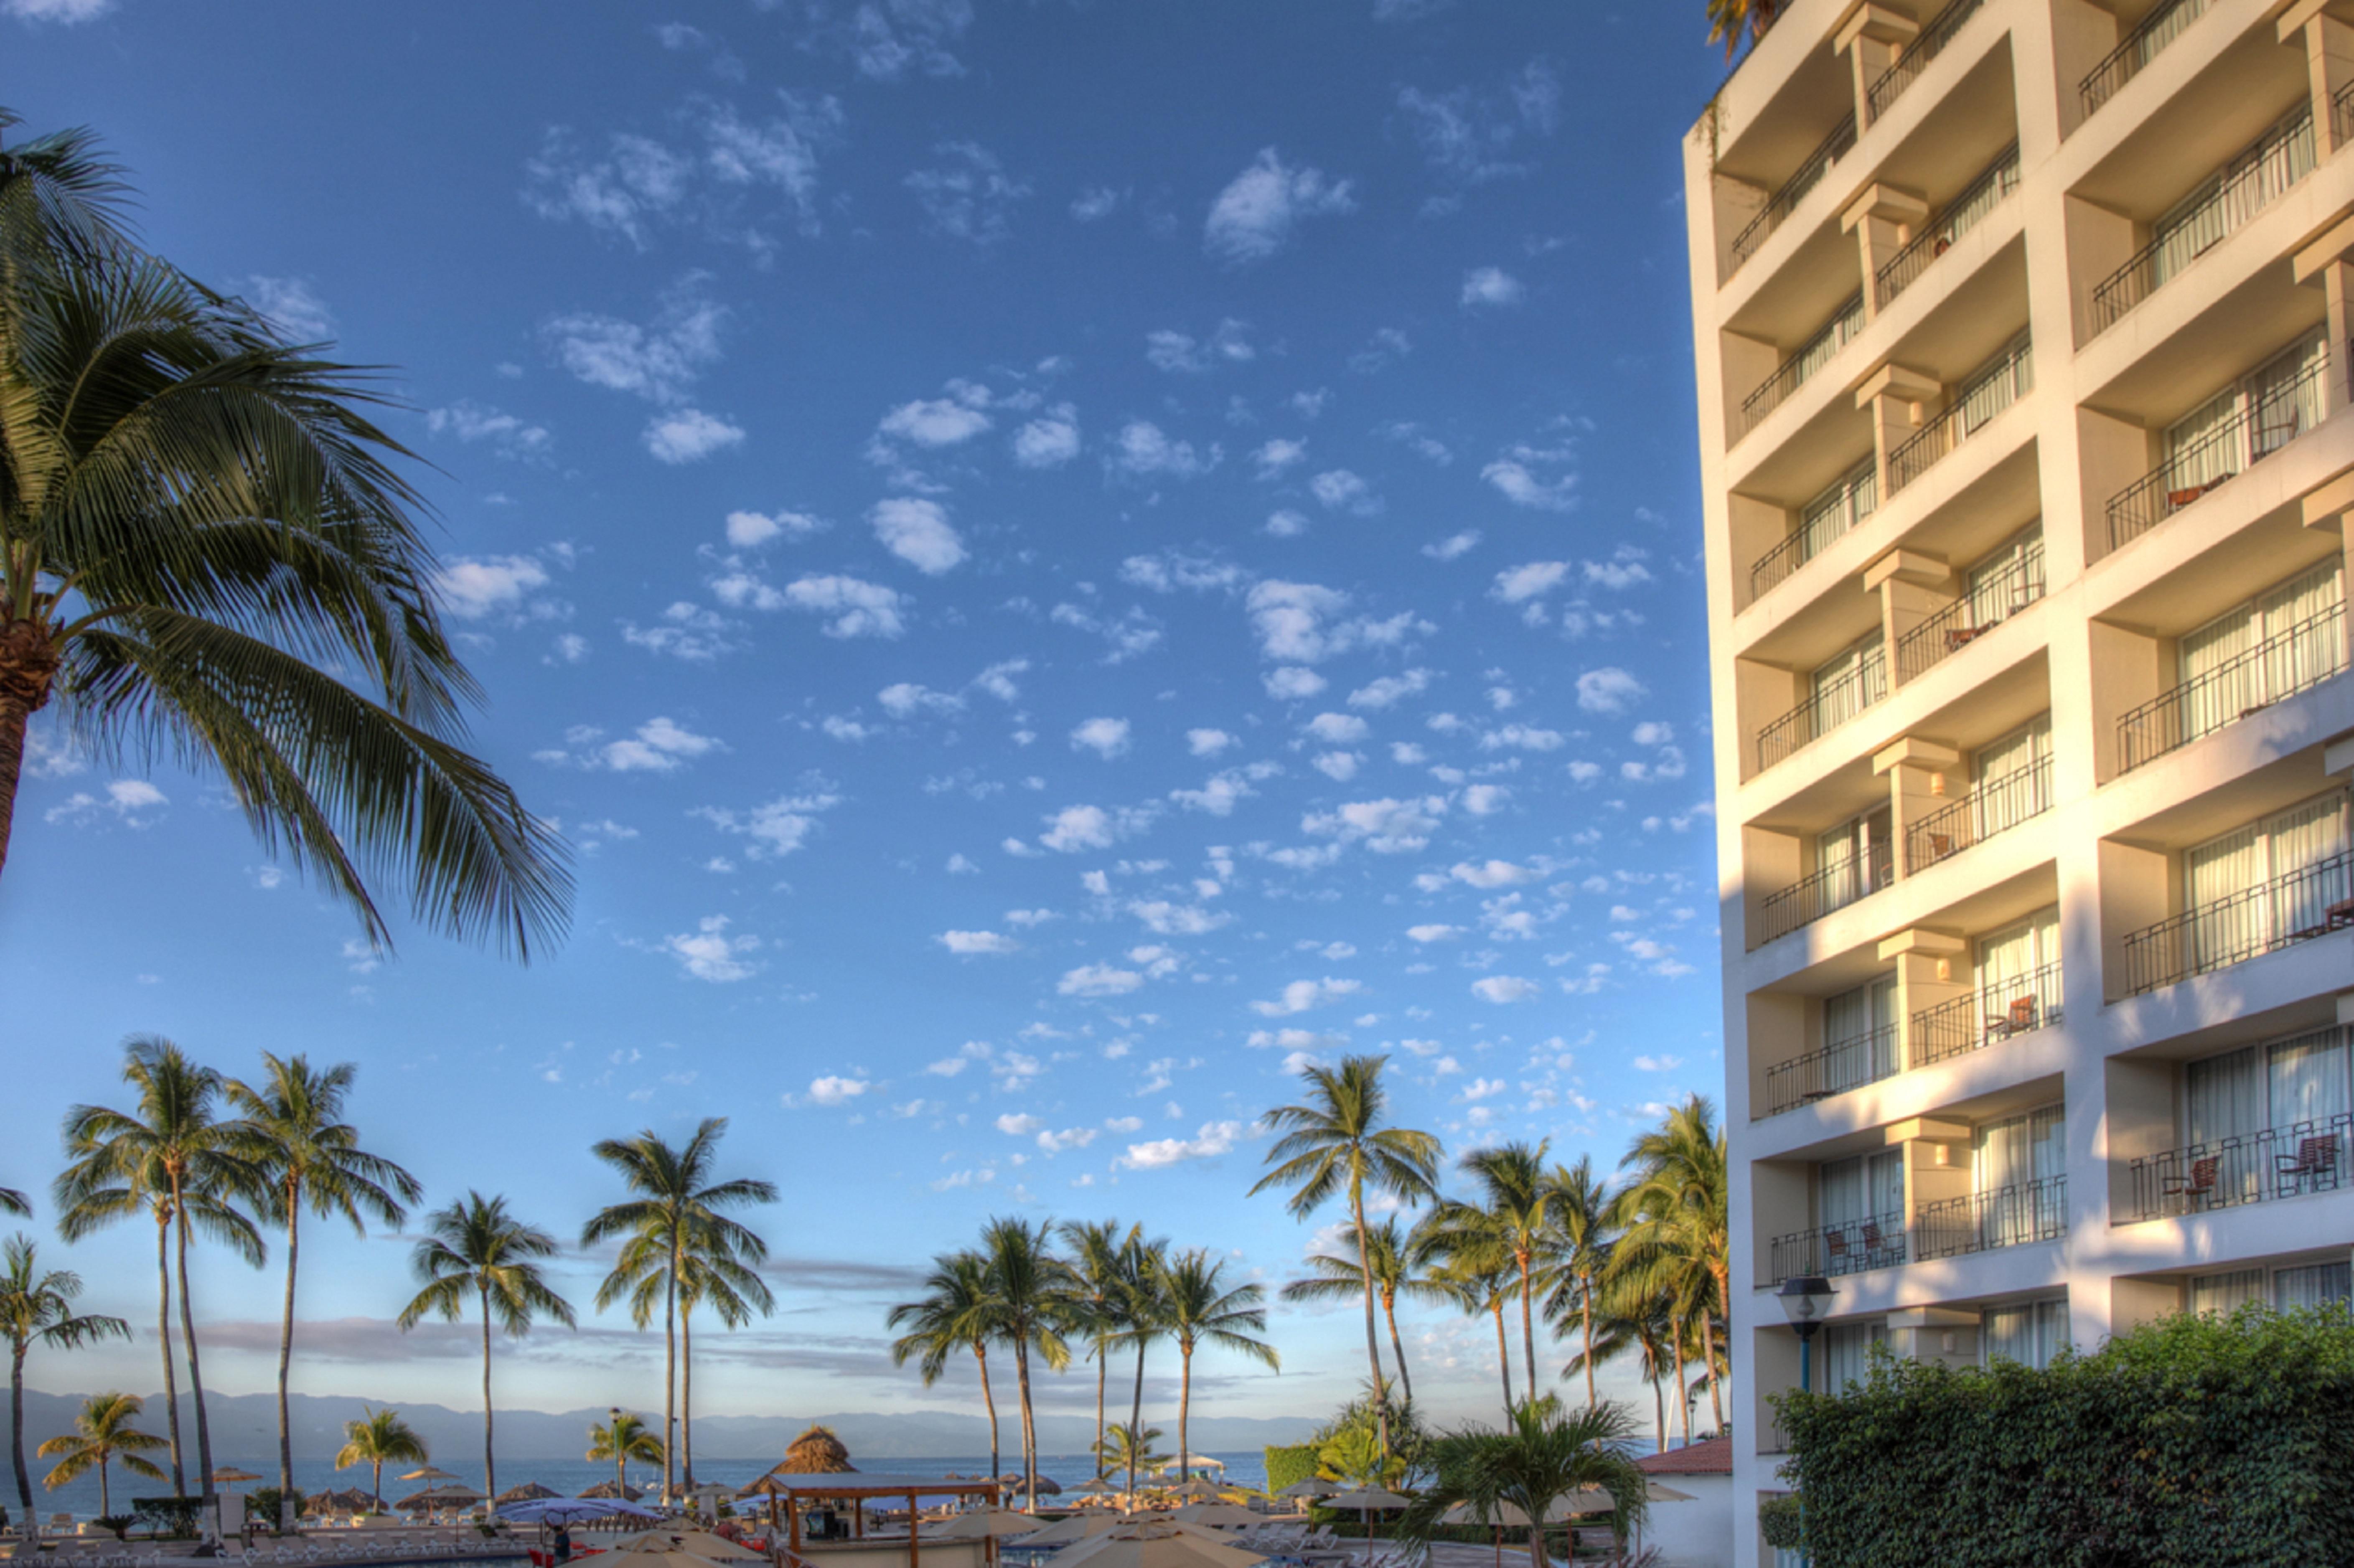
[
  {"x": 530, "y": 1491},
  {"x": 816, "y": 1452},
  {"x": 351, "y": 1499},
  {"x": 612, "y": 1490}
]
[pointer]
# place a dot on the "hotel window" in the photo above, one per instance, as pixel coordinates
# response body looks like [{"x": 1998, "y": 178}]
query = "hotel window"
[
  {"x": 2008, "y": 578},
  {"x": 2247, "y": 1109},
  {"x": 2285, "y": 1289},
  {"x": 1846, "y": 1354},
  {"x": 1855, "y": 858},
  {"x": 1851, "y": 499},
  {"x": 2030, "y": 1334},
  {"x": 2018, "y": 976},
  {"x": 2257, "y": 415},
  {"x": 2272, "y": 879},
  {"x": 1863, "y": 1203},
  {"x": 2013, "y": 776},
  {"x": 1851, "y": 681},
  {"x": 1859, "y": 1035},
  {"x": 2015, "y": 1168},
  {"x": 2276, "y": 645}
]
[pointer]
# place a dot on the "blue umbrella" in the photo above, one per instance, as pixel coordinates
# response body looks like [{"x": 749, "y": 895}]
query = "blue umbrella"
[{"x": 573, "y": 1511}]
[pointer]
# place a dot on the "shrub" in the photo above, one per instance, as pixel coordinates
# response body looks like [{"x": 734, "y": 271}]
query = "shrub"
[
  {"x": 1289, "y": 1466},
  {"x": 175, "y": 1517},
  {"x": 2185, "y": 1442},
  {"x": 261, "y": 1507}
]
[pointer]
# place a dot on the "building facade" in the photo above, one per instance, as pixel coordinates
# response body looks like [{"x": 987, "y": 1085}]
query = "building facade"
[{"x": 2023, "y": 355}]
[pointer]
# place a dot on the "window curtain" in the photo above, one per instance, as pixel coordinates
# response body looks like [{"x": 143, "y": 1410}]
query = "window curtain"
[
  {"x": 2301, "y": 647},
  {"x": 1850, "y": 684},
  {"x": 2012, "y": 782},
  {"x": 2017, "y": 1161},
  {"x": 2005, "y": 379},
  {"x": 2316, "y": 1285},
  {"x": 2217, "y": 684},
  {"x": 1852, "y": 857},
  {"x": 2308, "y": 1079},
  {"x": 2030, "y": 1334},
  {"x": 1858, "y": 1039},
  {"x": 2225, "y": 1294},
  {"x": 2010, "y": 579},
  {"x": 1846, "y": 1354},
  {"x": 2010, "y": 970},
  {"x": 2222, "y": 930},
  {"x": 1848, "y": 500},
  {"x": 2303, "y": 840},
  {"x": 2286, "y": 396},
  {"x": 2258, "y": 415},
  {"x": 2223, "y": 1103}
]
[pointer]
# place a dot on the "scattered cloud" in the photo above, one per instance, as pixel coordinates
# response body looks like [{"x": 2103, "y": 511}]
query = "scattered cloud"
[
  {"x": 1256, "y": 214},
  {"x": 1489, "y": 287}
]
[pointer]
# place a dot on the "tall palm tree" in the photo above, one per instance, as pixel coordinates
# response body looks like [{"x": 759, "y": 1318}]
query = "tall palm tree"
[
  {"x": 1144, "y": 1315},
  {"x": 1578, "y": 1244},
  {"x": 1732, "y": 21},
  {"x": 197, "y": 522},
  {"x": 677, "y": 1211},
  {"x": 1676, "y": 1214},
  {"x": 1515, "y": 1200},
  {"x": 475, "y": 1246},
  {"x": 1032, "y": 1289},
  {"x": 1203, "y": 1311},
  {"x": 960, "y": 1313},
  {"x": 1625, "y": 1324},
  {"x": 101, "y": 1435},
  {"x": 1336, "y": 1277},
  {"x": 1478, "y": 1278},
  {"x": 1119, "y": 1450},
  {"x": 380, "y": 1438},
  {"x": 1097, "y": 1281},
  {"x": 171, "y": 1158},
  {"x": 1335, "y": 1143},
  {"x": 734, "y": 1293},
  {"x": 1540, "y": 1457},
  {"x": 291, "y": 1130},
  {"x": 622, "y": 1438},
  {"x": 37, "y": 1308}
]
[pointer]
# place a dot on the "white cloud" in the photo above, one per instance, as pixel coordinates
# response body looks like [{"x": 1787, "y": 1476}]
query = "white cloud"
[
  {"x": 977, "y": 944},
  {"x": 1095, "y": 202},
  {"x": 1483, "y": 1089},
  {"x": 1519, "y": 484},
  {"x": 1144, "y": 449},
  {"x": 1434, "y": 933},
  {"x": 776, "y": 828},
  {"x": 1338, "y": 729},
  {"x": 1521, "y": 737},
  {"x": 856, "y": 608},
  {"x": 1516, "y": 584},
  {"x": 1485, "y": 799},
  {"x": 940, "y": 421},
  {"x": 1214, "y": 1139},
  {"x": 509, "y": 436},
  {"x": 1050, "y": 441},
  {"x": 1217, "y": 797},
  {"x": 1299, "y": 623},
  {"x": 474, "y": 587},
  {"x": 1657, "y": 1064},
  {"x": 1098, "y": 980},
  {"x": 1491, "y": 286},
  {"x": 658, "y": 362},
  {"x": 1293, "y": 683},
  {"x": 1493, "y": 873},
  {"x": 1070, "y": 1138},
  {"x": 1106, "y": 737},
  {"x": 1165, "y": 918},
  {"x": 1301, "y": 995},
  {"x": 969, "y": 196},
  {"x": 708, "y": 953},
  {"x": 1654, "y": 732},
  {"x": 1278, "y": 455},
  {"x": 1505, "y": 988},
  {"x": 1018, "y": 1124},
  {"x": 1075, "y": 827},
  {"x": 837, "y": 1091},
  {"x": 918, "y": 532},
  {"x": 1341, "y": 489},
  {"x": 750, "y": 530},
  {"x": 65, "y": 13},
  {"x": 659, "y": 746},
  {"x": 1283, "y": 523},
  {"x": 1181, "y": 352},
  {"x": 1386, "y": 826},
  {"x": 1255, "y": 216},
  {"x": 1453, "y": 547},
  {"x": 290, "y": 304},
  {"x": 1208, "y": 742},
  {"x": 131, "y": 799},
  {"x": 1338, "y": 765},
  {"x": 1390, "y": 690},
  {"x": 1620, "y": 574},
  {"x": 689, "y": 435},
  {"x": 1609, "y": 690},
  {"x": 905, "y": 699}
]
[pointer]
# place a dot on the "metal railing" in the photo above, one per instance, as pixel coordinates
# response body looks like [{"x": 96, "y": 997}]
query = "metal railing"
[
  {"x": 2272, "y": 670},
  {"x": 1877, "y": 1242},
  {"x": 2310, "y": 902},
  {"x": 1975, "y": 405},
  {"x": 1987, "y": 1016},
  {"x": 1956, "y": 218},
  {"x": 1838, "y": 1068},
  {"x": 1993, "y": 805},
  {"x": 2137, "y": 49},
  {"x": 2341, "y": 115},
  {"x": 1925, "y": 46},
  {"x": 2002, "y": 1216},
  {"x": 1986, "y": 606},
  {"x": 1852, "y": 500},
  {"x": 2244, "y": 1167},
  {"x": 1799, "y": 368},
  {"x": 1792, "y": 191},
  {"x": 1831, "y": 705},
  {"x": 1810, "y": 898},
  {"x": 2276, "y": 418},
  {"x": 2234, "y": 194}
]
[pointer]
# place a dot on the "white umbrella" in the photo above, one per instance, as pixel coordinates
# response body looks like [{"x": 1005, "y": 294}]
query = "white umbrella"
[
  {"x": 1077, "y": 1527},
  {"x": 1365, "y": 1501},
  {"x": 1154, "y": 1546},
  {"x": 1313, "y": 1487},
  {"x": 985, "y": 1522},
  {"x": 1214, "y": 1514}
]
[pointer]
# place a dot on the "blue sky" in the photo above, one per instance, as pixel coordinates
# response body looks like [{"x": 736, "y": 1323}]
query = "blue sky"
[{"x": 1053, "y": 560}]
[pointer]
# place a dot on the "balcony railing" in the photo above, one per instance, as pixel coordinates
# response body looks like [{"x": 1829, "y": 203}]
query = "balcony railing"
[
  {"x": 2245, "y": 1168},
  {"x": 1987, "y": 605},
  {"x": 1959, "y": 216},
  {"x": 1838, "y": 1068},
  {"x": 1832, "y": 705},
  {"x": 2275, "y": 417},
  {"x": 2272, "y": 670},
  {"x": 1841, "y": 508},
  {"x": 1793, "y": 191},
  {"x": 1810, "y": 898},
  {"x": 2233, "y": 194},
  {"x": 1831, "y": 1250},
  {"x": 1975, "y": 405},
  {"x": 2137, "y": 49},
  {"x": 1925, "y": 46},
  {"x": 2341, "y": 115},
  {"x": 1981, "y": 1222},
  {"x": 1987, "y": 1016},
  {"x": 1800, "y": 366},
  {"x": 1996, "y": 805},
  {"x": 2310, "y": 902}
]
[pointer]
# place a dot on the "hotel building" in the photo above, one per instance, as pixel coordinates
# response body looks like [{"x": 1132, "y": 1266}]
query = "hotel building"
[{"x": 2023, "y": 358}]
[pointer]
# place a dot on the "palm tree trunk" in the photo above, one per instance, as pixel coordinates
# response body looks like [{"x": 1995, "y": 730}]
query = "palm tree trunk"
[
  {"x": 1585, "y": 1318},
  {"x": 164, "y": 1338},
  {"x": 1708, "y": 1365},
  {"x": 17, "y": 1428},
  {"x": 1022, "y": 1387},
  {"x": 1504, "y": 1355},
  {"x": 989, "y": 1401},
  {"x": 1723, "y": 1295},
  {"x": 686, "y": 1397},
  {"x": 26, "y": 667},
  {"x": 1103, "y": 1370},
  {"x": 286, "y": 1345},
  {"x": 1373, "y": 1343},
  {"x": 1397, "y": 1346},
  {"x": 1684, "y": 1395},
  {"x": 189, "y": 1337},
  {"x": 490, "y": 1465},
  {"x": 1528, "y": 1328},
  {"x": 105, "y": 1502},
  {"x": 1136, "y": 1419},
  {"x": 670, "y": 1373},
  {"x": 1658, "y": 1410},
  {"x": 378, "y": 1468},
  {"x": 1185, "y": 1411}
]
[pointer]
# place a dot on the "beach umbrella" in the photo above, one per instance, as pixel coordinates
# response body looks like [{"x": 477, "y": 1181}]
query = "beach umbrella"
[
  {"x": 440, "y": 1496},
  {"x": 1047, "y": 1487},
  {"x": 1365, "y": 1502},
  {"x": 717, "y": 1548},
  {"x": 1154, "y": 1546},
  {"x": 1095, "y": 1488},
  {"x": 428, "y": 1474},
  {"x": 1198, "y": 1486},
  {"x": 986, "y": 1522},
  {"x": 1313, "y": 1487},
  {"x": 530, "y": 1491},
  {"x": 1079, "y": 1527},
  {"x": 816, "y": 1452},
  {"x": 231, "y": 1477},
  {"x": 614, "y": 1489},
  {"x": 1192, "y": 1462},
  {"x": 1216, "y": 1515},
  {"x": 573, "y": 1511}
]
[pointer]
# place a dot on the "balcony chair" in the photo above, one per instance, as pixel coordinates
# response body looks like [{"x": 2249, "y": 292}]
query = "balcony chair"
[
  {"x": 2019, "y": 1019},
  {"x": 1835, "y": 1251},
  {"x": 2314, "y": 1161},
  {"x": 2198, "y": 1186},
  {"x": 1875, "y": 1245},
  {"x": 2339, "y": 915}
]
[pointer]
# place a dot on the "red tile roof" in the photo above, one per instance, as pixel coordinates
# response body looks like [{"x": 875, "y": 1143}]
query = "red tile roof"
[{"x": 1710, "y": 1457}]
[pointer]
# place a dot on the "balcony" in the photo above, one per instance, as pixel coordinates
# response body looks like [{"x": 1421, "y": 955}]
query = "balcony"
[
  {"x": 1958, "y": 216},
  {"x": 2272, "y": 670},
  {"x": 1784, "y": 200},
  {"x": 2310, "y": 902},
  {"x": 1833, "y": 703},
  {"x": 1810, "y": 898},
  {"x": 2272, "y": 420},
  {"x": 1995, "y": 806},
  {"x": 1835, "y": 1069},
  {"x": 1983, "y": 396},
  {"x": 1831, "y": 514},
  {"x": 1800, "y": 366},
  {"x": 1987, "y": 605},
  {"x": 1833, "y": 1250},
  {"x": 1925, "y": 46},
  {"x": 2137, "y": 49},
  {"x": 2248, "y": 1167},
  {"x": 2230, "y": 196},
  {"x": 2001, "y": 1010},
  {"x": 1982, "y": 1221}
]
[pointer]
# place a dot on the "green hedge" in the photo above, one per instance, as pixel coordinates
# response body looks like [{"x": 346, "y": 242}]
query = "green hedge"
[
  {"x": 2188, "y": 1443},
  {"x": 1287, "y": 1467}
]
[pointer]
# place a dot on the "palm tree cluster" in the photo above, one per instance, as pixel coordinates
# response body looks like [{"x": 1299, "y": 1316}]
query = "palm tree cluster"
[{"x": 1106, "y": 1288}]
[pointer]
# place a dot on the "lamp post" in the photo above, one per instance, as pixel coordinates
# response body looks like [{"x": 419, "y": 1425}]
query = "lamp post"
[{"x": 1804, "y": 1297}]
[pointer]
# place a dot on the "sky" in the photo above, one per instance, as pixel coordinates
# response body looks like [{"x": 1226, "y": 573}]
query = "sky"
[{"x": 1054, "y": 561}]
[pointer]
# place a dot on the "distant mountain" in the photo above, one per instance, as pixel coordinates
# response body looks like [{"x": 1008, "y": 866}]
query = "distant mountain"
[{"x": 245, "y": 1426}]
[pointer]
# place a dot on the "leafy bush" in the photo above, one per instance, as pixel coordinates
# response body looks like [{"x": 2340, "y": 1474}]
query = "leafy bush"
[
  {"x": 1784, "y": 1524},
  {"x": 175, "y": 1517},
  {"x": 1289, "y": 1466},
  {"x": 2188, "y": 1442},
  {"x": 261, "y": 1507}
]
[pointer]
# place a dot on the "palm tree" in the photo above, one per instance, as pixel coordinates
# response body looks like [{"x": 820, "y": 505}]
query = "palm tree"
[
  {"x": 1731, "y": 21},
  {"x": 677, "y": 1212},
  {"x": 1516, "y": 1195},
  {"x": 1335, "y": 1142},
  {"x": 173, "y": 1159},
  {"x": 1540, "y": 1457},
  {"x": 293, "y": 1131},
  {"x": 622, "y": 1438},
  {"x": 959, "y": 1314},
  {"x": 732, "y": 1291},
  {"x": 37, "y": 1308},
  {"x": 1639, "y": 1324},
  {"x": 475, "y": 1245},
  {"x": 1200, "y": 1312},
  {"x": 1677, "y": 1218},
  {"x": 1118, "y": 1450},
  {"x": 380, "y": 1438},
  {"x": 1143, "y": 1313},
  {"x": 1031, "y": 1288},
  {"x": 1578, "y": 1245},
  {"x": 197, "y": 522},
  {"x": 103, "y": 1433},
  {"x": 12, "y": 1202},
  {"x": 1098, "y": 1278},
  {"x": 1337, "y": 1277},
  {"x": 1478, "y": 1278}
]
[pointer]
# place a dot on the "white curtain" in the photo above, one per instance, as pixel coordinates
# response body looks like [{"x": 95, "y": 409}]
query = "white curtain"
[
  {"x": 2030, "y": 1334},
  {"x": 1858, "y": 1039},
  {"x": 1850, "y": 684},
  {"x": 2317, "y": 1284},
  {"x": 2251, "y": 181},
  {"x": 1850, "y": 857},
  {"x": 2308, "y": 1079},
  {"x": 2011, "y": 784},
  {"x": 2010, "y": 962},
  {"x": 2224, "y": 1294},
  {"x": 2005, "y": 379},
  {"x": 1869, "y": 1187},
  {"x": 2256, "y": 416},
  {"x": 2224, "y": 1104},
  {"x": 2304, "y": 644},
  {"x": 2222, "y": 932},
  {"x": 1847, "y": 1355},
  {"x": 2010, "y": 579},
  {"x": 1849, "y": 500},
  {"x": 2012, "y": 1156},
  {"x": 2301, "y": 839}
]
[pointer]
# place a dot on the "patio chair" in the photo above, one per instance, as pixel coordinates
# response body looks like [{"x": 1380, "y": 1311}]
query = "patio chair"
[
  {"x": 2198, "y": 1185},
  {"x": 2315, "y": 1160},
  {"x": 2019, "y": 1019}
]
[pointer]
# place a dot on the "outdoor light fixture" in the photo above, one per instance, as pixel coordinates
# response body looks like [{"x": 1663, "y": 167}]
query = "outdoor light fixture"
[{"x": 1805, "y": 1298}]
